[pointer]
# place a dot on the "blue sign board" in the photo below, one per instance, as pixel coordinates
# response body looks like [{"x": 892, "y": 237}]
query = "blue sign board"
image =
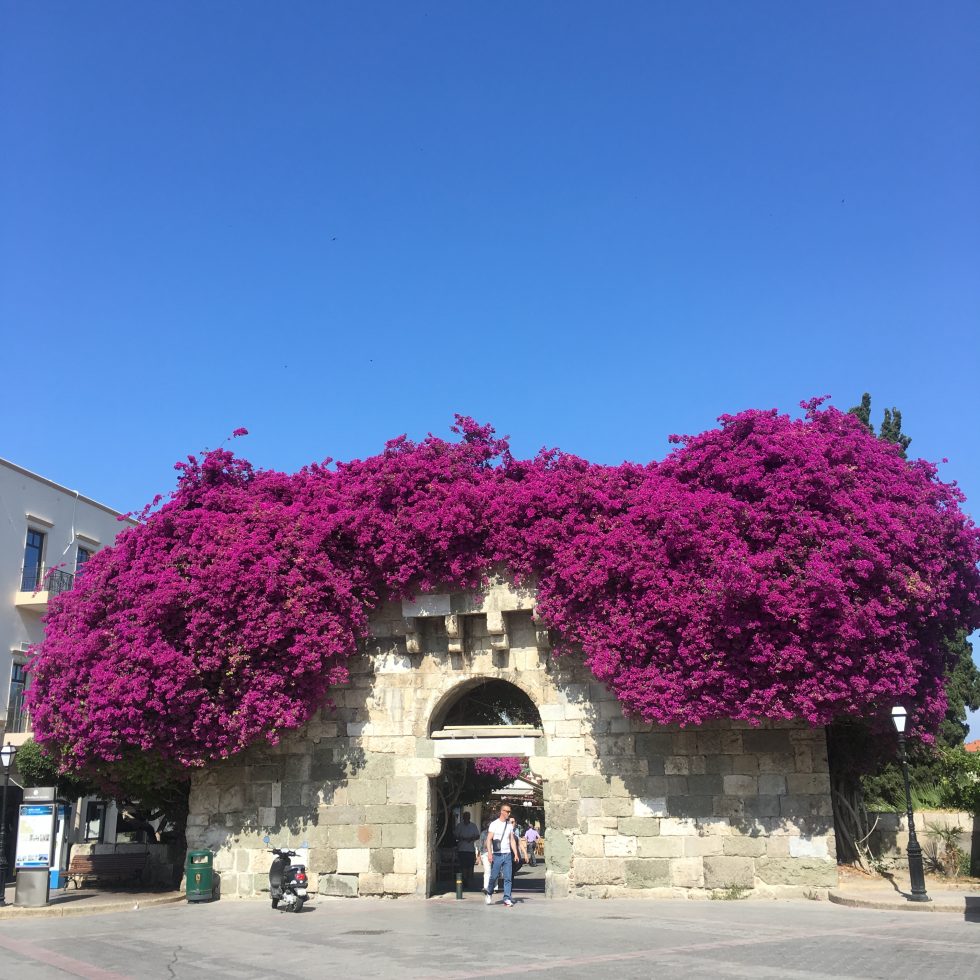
[{"x": 35, "y": 835}]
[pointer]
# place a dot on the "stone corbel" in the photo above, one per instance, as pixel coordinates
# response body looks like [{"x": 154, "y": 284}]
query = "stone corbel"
[
  {"x": 454, "y": 630},
  {"x": 497, "y": 628},
  {"x": 413, "y": 639},
  {"x": 541, "y": 635}
]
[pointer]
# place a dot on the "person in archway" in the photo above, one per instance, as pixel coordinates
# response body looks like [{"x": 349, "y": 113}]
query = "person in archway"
[
  {"x": 467, "y": 834},
  {"x": 531, "y": 838},
  {"x": 485, "y": 862},
  {"x": 502, "y": 851}
]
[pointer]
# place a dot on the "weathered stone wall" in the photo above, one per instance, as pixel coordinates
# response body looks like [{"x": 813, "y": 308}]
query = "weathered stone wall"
[
  {"x": 890, "y": 837},
  {"x": 716, "y": 807},
  {"x": 630, "y": 809}
]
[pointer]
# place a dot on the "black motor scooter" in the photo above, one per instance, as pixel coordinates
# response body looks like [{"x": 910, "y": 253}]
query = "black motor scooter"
[{"x": 287, "y": 882}]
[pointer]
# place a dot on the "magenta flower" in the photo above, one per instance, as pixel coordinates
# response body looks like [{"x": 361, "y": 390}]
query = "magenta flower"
[
  {"x": 507, "y": 770},
  {"x": 769, "y": 568}
]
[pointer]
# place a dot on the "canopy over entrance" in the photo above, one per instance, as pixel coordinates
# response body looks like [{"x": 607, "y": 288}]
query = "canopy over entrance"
[{"x": 465, "y": 742}]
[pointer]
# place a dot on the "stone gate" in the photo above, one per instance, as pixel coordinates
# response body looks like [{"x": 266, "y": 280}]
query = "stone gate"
[{"x": 631, "y": 809}]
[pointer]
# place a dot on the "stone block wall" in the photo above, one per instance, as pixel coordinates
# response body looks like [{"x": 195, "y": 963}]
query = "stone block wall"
[
  {"x": 630, "y": 809},
  {"x": 696, "y": 811},
  {"x": 890, "y": 837}
]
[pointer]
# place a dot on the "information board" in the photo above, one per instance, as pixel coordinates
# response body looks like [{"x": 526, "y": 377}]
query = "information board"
[{"x": 35, "y": 835}]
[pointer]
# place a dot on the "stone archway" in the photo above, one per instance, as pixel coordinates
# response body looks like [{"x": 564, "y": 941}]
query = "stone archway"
[
  {"x": 479, "y": 717},
  {"x": 485, "y": 715},
  {"x": 353, "y": 788},
  {"x": 631, "y": 809}
]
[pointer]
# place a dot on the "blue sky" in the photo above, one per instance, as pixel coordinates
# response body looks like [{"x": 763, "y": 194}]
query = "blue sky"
[{"x": 590, "y": 224}]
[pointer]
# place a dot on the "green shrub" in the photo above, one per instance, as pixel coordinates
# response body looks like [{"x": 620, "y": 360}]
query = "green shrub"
[
  {"x": 37, "y": 769},
  {"x": 884, "y": 792},
  {"x": 959, "y": 780},
  {"x": 950, "y": 854}
]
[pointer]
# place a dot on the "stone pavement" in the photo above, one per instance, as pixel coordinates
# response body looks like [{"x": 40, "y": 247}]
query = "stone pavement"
[
  {"x": 881, "y": 893},
  {"x": 855, "y": 891},
  {"x": 82, "y": 901},
  {"x": 408, "y": 938}
]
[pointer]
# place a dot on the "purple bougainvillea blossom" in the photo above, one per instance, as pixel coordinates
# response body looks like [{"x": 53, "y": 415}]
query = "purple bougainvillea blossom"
[
  {"x": 506, "y": 769},
  {"x": 771, "y": 568}
]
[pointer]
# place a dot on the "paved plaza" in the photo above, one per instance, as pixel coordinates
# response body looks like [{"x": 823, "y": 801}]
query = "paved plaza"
[{"x": 445, "y": 938}]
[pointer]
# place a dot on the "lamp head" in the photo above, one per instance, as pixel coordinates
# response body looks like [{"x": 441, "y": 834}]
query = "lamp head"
[
  {"x": 7, "y": 754},
  {"x": 899, "y": 717}
]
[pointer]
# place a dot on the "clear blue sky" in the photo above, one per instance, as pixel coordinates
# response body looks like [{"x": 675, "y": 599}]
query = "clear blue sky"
[{"x": 590, "y": 224}]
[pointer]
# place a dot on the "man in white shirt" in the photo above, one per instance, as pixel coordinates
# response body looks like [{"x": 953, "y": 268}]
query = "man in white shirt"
[
  {"x": 501, "y": 850},
  {"x": 467, "y": 833},
  {"x": 531, "y": 837}
]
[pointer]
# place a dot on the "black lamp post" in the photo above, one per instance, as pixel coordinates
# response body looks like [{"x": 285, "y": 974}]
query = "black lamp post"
[
  {"x": 7, "y": 754},
  {"x": 917, "y": 875}
]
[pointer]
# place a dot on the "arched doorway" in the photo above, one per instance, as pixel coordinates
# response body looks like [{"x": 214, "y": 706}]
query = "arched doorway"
[
  {"x": 485, "y": 730},
  {"x": 485, "y": 701}
]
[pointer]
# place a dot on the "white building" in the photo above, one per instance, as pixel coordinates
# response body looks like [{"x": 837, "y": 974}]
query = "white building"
[{"x": 47, "y": 532}]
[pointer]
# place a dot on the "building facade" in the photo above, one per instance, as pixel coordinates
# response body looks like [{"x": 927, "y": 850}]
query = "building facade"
[
  {"x": 631, "y": 809},
  {"x": 47, "y": 533}
]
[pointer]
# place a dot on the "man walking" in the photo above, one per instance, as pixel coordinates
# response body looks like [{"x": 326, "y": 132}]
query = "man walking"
[
  {"x": 501, "y": 850},
  {"x": 531, "y": 839},
  {"x": 467, "y": 833}
]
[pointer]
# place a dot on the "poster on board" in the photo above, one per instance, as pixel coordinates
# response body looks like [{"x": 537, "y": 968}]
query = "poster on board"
[{"x": 35, "y": 834}]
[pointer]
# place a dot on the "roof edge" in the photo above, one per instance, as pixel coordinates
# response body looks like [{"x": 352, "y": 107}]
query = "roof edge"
[{"x": 57, "y": 486}]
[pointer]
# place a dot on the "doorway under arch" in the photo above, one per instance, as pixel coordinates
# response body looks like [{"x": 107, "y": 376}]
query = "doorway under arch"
[{"x": 482, "y": 718}]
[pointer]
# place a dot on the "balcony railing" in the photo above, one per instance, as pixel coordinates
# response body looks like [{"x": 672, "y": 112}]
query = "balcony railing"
[{"x": 53, "y": 581}]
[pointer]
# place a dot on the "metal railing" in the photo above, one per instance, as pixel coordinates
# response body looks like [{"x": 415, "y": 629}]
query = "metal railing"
[
  {"x": 17, "y": 718},
  {"x": 53, "y": 581}
]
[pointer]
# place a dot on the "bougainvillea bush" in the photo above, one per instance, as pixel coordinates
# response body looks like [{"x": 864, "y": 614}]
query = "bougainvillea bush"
[
  {"x": 504, "y": 769},
  {"x": 774, "y": 567}
]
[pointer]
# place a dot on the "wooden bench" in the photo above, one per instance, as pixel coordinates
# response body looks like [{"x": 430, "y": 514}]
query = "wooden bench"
[{"x": 105, "y": 867}]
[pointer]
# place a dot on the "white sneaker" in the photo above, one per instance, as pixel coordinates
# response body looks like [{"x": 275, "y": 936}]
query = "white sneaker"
[{"x": 487, "y": 899}]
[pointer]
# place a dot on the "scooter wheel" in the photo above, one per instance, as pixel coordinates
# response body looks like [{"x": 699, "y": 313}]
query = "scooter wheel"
[{"x": 298, "y": 907}]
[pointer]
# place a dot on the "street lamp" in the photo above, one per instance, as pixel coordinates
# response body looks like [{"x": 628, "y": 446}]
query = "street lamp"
[
  {"x": 7, "y": 754},
  {"x": 916, "y": 873}
]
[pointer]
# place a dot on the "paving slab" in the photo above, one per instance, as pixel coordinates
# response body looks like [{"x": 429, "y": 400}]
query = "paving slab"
[{"x": 414, "y": 940}]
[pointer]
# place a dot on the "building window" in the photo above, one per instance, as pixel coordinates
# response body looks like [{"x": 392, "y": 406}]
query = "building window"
[
  {"x": 16, "y": 716},
  {"x": 33, "y": 561},
  {"x": 81, "y": 556},
  {"x": 95, "y": 820}
]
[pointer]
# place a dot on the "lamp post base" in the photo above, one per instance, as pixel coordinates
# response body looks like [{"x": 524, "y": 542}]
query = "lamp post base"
[{"x": 917, "y": 875}]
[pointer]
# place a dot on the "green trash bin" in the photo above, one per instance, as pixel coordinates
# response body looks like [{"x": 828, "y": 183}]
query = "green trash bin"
[{"x": 200, "y": 876}]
